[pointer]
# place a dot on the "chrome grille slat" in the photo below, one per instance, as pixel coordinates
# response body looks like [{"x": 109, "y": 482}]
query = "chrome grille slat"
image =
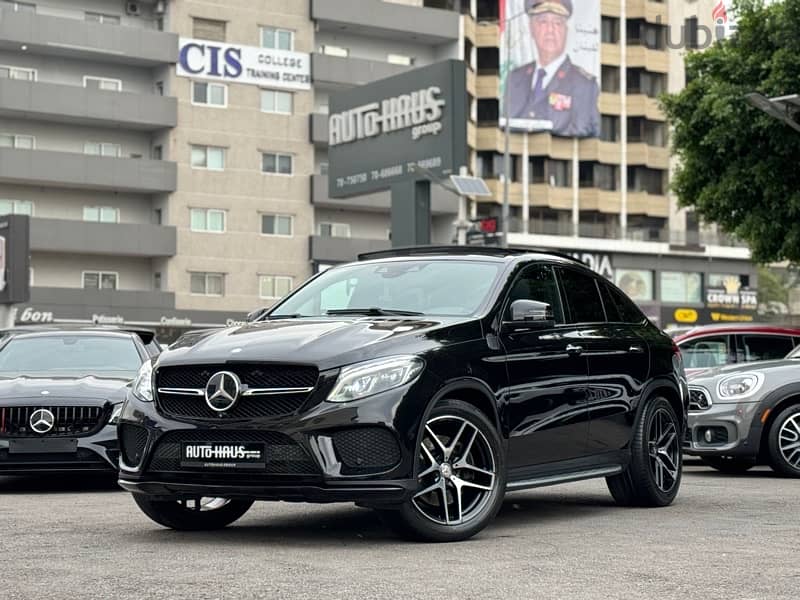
[{"x": 70, "y": 421}]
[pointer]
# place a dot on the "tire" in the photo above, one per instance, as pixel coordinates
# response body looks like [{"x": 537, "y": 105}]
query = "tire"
[
  {"x": 176, "y": 515},
  {"x": 433, "y": 516},
  {"x": 640, "y": 484},
  {"x": 728, "y": 464},
  {"x": 783, "y": 435}
]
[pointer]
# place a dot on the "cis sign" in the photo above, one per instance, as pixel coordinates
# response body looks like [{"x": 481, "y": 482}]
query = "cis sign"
[{"x": 205, "y": 59}]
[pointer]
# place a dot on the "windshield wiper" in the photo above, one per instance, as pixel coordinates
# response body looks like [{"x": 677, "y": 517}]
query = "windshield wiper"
[{"x": 374, "y": 312}]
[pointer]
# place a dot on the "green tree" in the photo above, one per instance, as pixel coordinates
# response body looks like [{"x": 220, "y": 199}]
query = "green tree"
[{"x": 739, "y": 166}]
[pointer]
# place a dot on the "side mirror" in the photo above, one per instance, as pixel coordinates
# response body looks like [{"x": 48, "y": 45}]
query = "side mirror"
[
  {"x": 531, "y": 314},
  {"x": 255, "y": 315}
]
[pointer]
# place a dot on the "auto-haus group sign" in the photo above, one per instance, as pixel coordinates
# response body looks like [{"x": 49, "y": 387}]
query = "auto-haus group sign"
[{"x": 383, "y": 132}]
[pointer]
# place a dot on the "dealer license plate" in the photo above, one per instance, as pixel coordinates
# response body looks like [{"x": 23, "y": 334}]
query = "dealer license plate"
[{"x": 214, "y": 455}]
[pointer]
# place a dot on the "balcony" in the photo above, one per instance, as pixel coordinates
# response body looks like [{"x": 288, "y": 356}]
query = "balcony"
[
  {"x": 655, "y": 61},
  {"x": 442, "y": 201},
  {"x": 319, "y": 129},
  {"x": 65, "y": 37},
  {"x": 72, "y": 104},
  {"x": 345, "y": 72},
  {"x": 78, "y": 303},
  {"x": 386, "y": 20},
  {"x": 341, "y": 249},
  {"x": 73, "y": 170},
  {"x": 112, "y": 239}
]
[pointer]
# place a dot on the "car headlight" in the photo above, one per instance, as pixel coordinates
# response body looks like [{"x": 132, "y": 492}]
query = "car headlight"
[
  {"x": 741, "y": 385},
  {"x": 143, "y": 384},
  {"x": 375, "y": 376},
  {"x": 115, "y": 414}
]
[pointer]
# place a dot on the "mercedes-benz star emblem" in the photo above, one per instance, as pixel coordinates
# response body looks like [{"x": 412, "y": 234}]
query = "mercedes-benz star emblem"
[
  {"x": 222, "y": 391},
  {"x": 42, "y": 420}
]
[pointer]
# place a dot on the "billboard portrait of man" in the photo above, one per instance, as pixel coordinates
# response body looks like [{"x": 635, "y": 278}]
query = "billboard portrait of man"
[{"x": 551, "y": 92}]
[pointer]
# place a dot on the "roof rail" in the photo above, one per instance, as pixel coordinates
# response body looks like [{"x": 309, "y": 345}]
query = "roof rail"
[{"x": 461, "y": 250}]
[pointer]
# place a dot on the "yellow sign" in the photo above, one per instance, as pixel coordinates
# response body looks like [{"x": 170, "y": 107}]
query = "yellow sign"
[
  {"x": 715, "y": 316},
  {"x": 686, "y": 315}
]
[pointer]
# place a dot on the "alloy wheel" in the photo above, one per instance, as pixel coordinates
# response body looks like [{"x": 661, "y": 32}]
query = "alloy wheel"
[
  {"x": 789, "y": 440},
  {"x": 663, "y": 449},
  {"x": 458, "y": 471}
]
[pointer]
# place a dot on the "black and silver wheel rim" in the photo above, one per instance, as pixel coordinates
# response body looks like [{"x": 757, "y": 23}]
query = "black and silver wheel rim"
[
  {"x": 664, "y": 450},
  {"x": 204, "y": 504},
  {"x": 789, "y": 440},
  {"x": 457, "y": 471}
]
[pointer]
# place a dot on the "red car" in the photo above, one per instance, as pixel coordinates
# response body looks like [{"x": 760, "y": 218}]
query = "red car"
[{"x": 709, "y": 346}]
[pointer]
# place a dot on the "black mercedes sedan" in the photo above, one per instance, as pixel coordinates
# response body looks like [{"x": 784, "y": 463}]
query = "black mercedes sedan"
[
  {"x": 61, "y": 392},
  {"x": 422, "y": 383}
]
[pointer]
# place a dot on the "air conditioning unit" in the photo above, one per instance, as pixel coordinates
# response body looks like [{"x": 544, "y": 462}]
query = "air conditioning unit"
[{"x": 133, "y": 8}]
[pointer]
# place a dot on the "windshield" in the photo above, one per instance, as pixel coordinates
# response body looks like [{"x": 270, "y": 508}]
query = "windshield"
[
  {"x": 72, "y": 355},
  {"x": 443, "y": 288}
]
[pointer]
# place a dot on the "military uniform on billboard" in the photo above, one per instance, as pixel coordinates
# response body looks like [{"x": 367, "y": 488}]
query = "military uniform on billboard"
[{"x": 569, "y": 100}]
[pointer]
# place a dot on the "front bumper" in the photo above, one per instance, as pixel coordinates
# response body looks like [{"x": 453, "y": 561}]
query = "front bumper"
[
  {"x": 95, "y": 453},
  {"x": 733, "y": 430},
  {"x": 319, "y": 452}
]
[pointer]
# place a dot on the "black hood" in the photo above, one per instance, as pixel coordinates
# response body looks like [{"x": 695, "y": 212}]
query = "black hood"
[
  {"x": 57, "y": 390},
  {"x": 323, "y": 342}
]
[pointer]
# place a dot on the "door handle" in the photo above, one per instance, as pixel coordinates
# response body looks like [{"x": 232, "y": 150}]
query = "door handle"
[
  {"x": 574, "y": 350},
  {"x": 636, "y": 350}
]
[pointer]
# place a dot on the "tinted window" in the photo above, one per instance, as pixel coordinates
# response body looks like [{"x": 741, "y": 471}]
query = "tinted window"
[
  {"x": 538, "y": 283},
  {"x": 70, "y": 355},
  {"x": 765, "y": 347},
  {"x": 626, "y": 310},
  {"x": 703, "y": 353},
  {"x": 583, "y": 299}
]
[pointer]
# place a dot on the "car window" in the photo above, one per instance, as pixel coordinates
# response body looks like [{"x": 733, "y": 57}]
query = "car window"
[
  {"x": 538, "y": 283},
  {"x": 765, "y": 347},
  {"x": 583, "y": 297},
  {"x": 622, "y": 308},
  {"x": 706, "y": 352}
]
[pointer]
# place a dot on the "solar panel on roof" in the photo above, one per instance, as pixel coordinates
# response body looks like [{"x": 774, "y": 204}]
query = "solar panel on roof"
[{"x": 470, "y": 186}]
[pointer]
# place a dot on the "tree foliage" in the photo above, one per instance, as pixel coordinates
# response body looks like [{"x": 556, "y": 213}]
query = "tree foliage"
[{"x": 739, "y": 166}]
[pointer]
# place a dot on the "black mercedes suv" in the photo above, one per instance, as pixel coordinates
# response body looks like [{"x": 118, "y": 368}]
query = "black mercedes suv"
[{"x": 424, "y": 383}]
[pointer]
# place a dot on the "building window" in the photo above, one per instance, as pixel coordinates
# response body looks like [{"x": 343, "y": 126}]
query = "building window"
[
  {"x": 208, "y": 219},
  {"x": 609, "y": 128},
  {"x": 157, "y": 281},
  {"x": 637, "y": 284},
  {"x": 400, "y": 59},
  {"x": 277, "y": 225},
  {"x": 276, "y": 164},
  {"x": 277, "y": 39},
  {"x": 207, "y": 284},
  {"x": 102, "y": 149},
  {"x": 22, "y": 142},
  {"x": 335, "y": 51},
  {"x": 7, "y": 72},
  {"x": 609, "y": 30},
  {"x": 274, "y": 286},
  {"x": 273, "y": 101},
  {"x": 334, "y": 230},
  {"x": 209, "y": 94},
  {"x": 103, "y": 18},
  {"x": 208, "y": 157},
  {"x": 208, "y": 29},
  {"x": 100, "y": 280},
  {"x": 16, "y": 207},
  {"x": 157, "y": 152},
  {"x": 558, "y": 173},
  {"x": 102, "y": 83},
  {"x": 101, "y": 214},
  {"x": 681, "y": 287},
  {"x": 609, "y": 79},
  {"x": 19, "y": 6}
]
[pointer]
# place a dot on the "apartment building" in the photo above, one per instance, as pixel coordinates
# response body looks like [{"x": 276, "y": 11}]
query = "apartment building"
[{"x": 173, "y": 153}]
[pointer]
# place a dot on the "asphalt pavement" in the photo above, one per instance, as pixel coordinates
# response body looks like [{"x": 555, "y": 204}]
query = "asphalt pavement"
[{"x": 725, "y": 537}]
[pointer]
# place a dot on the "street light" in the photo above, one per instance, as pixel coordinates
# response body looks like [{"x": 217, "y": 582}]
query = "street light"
[
  {"x": 783, "y": 108},
  {"x": 506, "y": 152}
]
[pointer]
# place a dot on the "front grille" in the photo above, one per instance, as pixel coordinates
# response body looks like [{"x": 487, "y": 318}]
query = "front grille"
[
  {"x": 247, "y": 407},
  {"x": 698, "y": 399},
  {"x": 284, "y": 455},
  {"x": 70, "y": 421},
  {"x": 133, "y": 440},
  {"x": 367, "y": 449}
]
